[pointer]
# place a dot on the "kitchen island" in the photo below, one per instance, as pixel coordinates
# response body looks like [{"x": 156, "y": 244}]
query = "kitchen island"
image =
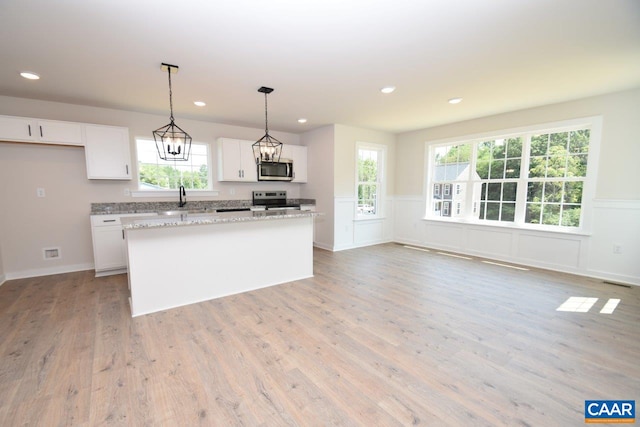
[{"x": 185, "y": 258}]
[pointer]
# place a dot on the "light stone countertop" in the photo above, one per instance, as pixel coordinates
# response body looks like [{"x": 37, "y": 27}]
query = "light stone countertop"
[{"x": 188, "y": 219}]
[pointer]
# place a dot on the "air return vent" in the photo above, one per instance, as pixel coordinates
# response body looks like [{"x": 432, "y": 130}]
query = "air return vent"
[{"x": 51, "y": 253}]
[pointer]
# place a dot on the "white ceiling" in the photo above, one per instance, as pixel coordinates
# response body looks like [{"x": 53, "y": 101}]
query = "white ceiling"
[{"x": 326, "y": 59}]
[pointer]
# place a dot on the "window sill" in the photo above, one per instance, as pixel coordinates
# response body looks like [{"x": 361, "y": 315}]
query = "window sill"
[
  {"x": 369, "y": 218},
  {"x": 172, "y": 193},
  {"x": 512, "y": 226}
]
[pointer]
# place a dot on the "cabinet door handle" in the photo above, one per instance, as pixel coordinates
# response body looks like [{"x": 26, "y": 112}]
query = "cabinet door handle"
[
  {"x": 108, "y": 220},
  {"x": 41, "y": 135},
  {"x": 239, "y": 173},
  {"x": 122, "y": 234},
  {"x": 29, "y": 126},
  {"x": 127, "y": 168}
]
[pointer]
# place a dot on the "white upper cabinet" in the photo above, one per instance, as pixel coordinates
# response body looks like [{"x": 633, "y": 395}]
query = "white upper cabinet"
[
  {"x": 298, "y": 154},
  {"x": 107, "y": 152},
  {"x": 54, "y": 132},
  {"x": 17, "y": 129},
  {"x": 235, "y": 161},
  {"x": 23, "y": 129}
]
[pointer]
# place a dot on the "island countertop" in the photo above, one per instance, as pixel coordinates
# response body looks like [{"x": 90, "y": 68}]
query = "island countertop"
[{"x": 202, "y": 218}]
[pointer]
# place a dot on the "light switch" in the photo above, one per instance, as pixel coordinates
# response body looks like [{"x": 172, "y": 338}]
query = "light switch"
[{"x": 40, "y": 192}]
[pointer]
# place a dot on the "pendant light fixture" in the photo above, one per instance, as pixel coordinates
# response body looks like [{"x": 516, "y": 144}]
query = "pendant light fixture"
[
  {"x": 172, "y": 142},
  {"x": 267, "y": 148}
]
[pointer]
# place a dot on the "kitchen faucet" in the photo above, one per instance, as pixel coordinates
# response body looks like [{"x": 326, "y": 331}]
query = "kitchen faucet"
[{"x": 182, "y": 193}]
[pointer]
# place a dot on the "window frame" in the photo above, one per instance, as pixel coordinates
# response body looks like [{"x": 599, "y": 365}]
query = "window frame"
[
  {"x": 380, "y": 183},
  {"x": 210, "y": 191},
  {"x": 594, "y": 123}
]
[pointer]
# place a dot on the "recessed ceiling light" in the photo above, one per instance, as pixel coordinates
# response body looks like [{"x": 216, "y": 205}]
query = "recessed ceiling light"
[
  {"x": 388, "y": 89},
  {"x": 455, "y": 100},
  {"x": 302, "y": 120},
  {"x": 29, "y": 75},
  {"x": 200, "y": 103}
]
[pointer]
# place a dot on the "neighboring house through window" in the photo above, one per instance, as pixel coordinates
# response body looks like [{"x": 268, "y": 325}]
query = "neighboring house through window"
[{"x": 530, "y": 177}]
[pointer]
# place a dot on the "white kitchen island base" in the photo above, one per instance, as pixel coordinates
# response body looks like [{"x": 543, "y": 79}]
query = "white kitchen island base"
[{"x": 172, "y": 266}]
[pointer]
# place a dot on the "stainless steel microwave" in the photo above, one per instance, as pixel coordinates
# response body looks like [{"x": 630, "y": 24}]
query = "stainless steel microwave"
[{"x": 276, "y": 171}]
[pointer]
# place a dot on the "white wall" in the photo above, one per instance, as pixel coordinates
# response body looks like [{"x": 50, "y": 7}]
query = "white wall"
[
  {"x": 61, "y": 219},
  {"x": 616, "y": 208},
  {"x": 320, "y": 170},
  {"x": 348, "y": 231}
]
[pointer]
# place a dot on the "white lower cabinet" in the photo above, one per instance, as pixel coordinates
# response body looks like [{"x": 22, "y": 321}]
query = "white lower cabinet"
[{"x": 109, "y": 246}]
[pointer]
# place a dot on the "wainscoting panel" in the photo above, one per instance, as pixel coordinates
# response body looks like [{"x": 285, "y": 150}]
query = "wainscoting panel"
[
  {"x": 490, "y": 243},
  {"x": 549, "y": 251},
  {"x": 368, "y": 232},
  {"x": 610, "y": 251}
]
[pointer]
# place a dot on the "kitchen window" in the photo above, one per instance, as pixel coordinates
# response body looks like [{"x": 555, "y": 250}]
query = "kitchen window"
[
  {"x": 369, "y": 180},
  {"x": 535, "y": 178},
  {"x": 155, "y": 174}
]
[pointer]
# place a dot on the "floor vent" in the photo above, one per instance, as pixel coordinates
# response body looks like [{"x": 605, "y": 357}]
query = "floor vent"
[
  {"x": 51, "y": 253},
  {"x": 617, "y": 284}
]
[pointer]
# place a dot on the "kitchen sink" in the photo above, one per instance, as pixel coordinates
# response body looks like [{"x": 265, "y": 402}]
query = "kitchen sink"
[{"x": 185, "y": 212}]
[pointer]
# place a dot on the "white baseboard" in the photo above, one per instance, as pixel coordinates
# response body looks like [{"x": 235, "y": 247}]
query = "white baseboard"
[
  {"x": 24, "y": 274},
  {"x": 3, "y": 279}
]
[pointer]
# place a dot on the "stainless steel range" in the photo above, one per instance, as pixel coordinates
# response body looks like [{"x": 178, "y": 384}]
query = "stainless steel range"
[{"x": 269, "y": 200}]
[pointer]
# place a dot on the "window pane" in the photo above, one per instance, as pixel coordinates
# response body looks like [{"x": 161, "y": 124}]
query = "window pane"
[
  {"x": 513, "y": 169},
  {"x": 497, "y": 169},
  {"x": 534, "y": 191},
  {"x": 509, "y": 191},
  {"x": 367, "y": 199},
  {"x": 551, "y": 214},
  {"x": 508, "y": 212},
  {"x": 556, "y": 165},
  {"x": 579, "y": 141},
  {"x": 514, "y": 147},
  {"x": 571, "y": 216},
  {"x": 367, "y": 165},
  {"x": 493, "y": 211},
  {"x": 482, "y": 169},
  {"x": 539, "y": 145},
  {"x": 553, "y": 192},
  {"x": 558, "y": 140},
  {"x": 157, "y": 174},
  {"x": 499, "y": 149},
  {"x": 532, "y": 215},
  {"x": 572, "y": 192},
  {"x": 537, "y": 167},
  {"x": 494, "y": 190},
  {"x": 577, "y": 166}
]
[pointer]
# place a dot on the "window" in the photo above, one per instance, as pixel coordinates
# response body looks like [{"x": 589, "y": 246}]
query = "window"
[
  {"x": 535, "y": 177},
  {"x": 157, "y": 174},
  {"x": 370, "y": 160}
]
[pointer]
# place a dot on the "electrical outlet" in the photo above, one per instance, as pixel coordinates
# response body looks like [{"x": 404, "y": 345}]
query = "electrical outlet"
[
  {"x": 40, "y": 192},
  {"x": 617, "y": 249},
  {"x": 127, "y": 192},
  {"x": 232, "y": 191}
]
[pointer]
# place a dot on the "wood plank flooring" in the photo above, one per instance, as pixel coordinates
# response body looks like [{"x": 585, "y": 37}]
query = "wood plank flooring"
[{"x": 383, "y": 335}]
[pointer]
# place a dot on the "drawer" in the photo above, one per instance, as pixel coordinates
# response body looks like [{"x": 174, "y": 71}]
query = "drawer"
[{"x": 103, "y": 220}]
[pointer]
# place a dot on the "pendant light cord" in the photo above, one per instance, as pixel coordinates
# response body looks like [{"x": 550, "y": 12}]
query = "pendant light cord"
[
  {"x": 266, "y": 121},
  {"x": 170, "y": 95}
]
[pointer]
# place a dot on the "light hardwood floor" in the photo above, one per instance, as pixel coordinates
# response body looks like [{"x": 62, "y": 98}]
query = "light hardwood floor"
[{"x": 383, "y": 335}]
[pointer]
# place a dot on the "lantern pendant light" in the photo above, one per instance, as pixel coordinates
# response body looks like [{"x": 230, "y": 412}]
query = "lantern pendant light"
[
  {"x": 267, "y": 148},
  {"x": 172, "y": 142}
]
